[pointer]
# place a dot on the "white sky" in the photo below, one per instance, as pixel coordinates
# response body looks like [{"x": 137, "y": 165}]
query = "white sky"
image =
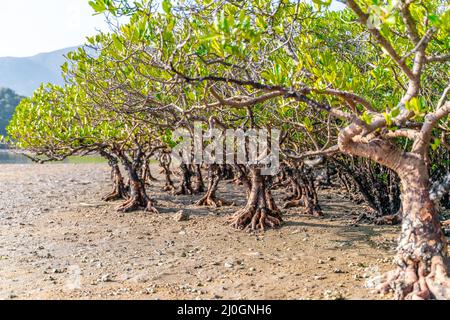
[{"x": 28, "y": 27}]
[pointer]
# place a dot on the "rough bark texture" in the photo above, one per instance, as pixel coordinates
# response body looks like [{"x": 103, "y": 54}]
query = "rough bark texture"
[
  {"x": 226, "y": 172},
  {"x": 260, "y": 211},
  {"x": 210, "y": 199},
  {"x": 138, "y": 200},
  {"x": 199, "y": 185},
  {"x": 186, "y": 186},
  {"x": 120, "y": 191},
  {"x": 422, "y": 249},
  {"x": 304, "y": 192},
  {"x": 373, "y": 184},
  {"x": 165, "y": 161}
]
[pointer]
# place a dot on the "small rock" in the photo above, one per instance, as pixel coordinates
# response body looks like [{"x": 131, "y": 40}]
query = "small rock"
[
  {"x": 106, "y": 278},
  {"x": 181, "y": 216},
  {"x": 228, "y": 265},
  {"x": 58, "y": 271},
  {"x": 149, "y": 290}
]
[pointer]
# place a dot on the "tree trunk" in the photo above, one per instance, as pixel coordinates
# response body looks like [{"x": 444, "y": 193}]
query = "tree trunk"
[
  {"x": 199, "y": 185},
  {"x": 148, "y": 177},
  {"x": 120, "y": 191},
  {"x": 304, "y": 192},
  {"x": 210, "y": 199},
  {"x": 165, "y": 161},
  {"x": 186, "y": 187},
  {"x": 226, "y": 172},
  {"x": 260, "y": 211},
  {"x": 422, "y": 249},
  {"x": 138, "y": 197}
]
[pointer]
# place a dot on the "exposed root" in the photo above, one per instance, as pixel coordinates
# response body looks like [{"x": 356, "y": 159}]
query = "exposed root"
[
  {"x": 113, "y": 196},
  {"x": 184, "y": 191},
  {"x": 314, "y": 211},
  {"x": 134, "y": 204},
  {"x": 412, "y": 283},
  {"x": 169, "y": 188},
  {"x": 120, "y": 190},
  {"x": 311, "y": 210},
  {"x": 186, "y": 186},
  {"x": 294, "y": 204},
  {"x": 255, "y": 219},
  {"x": 212, "y": 202},
  {"x": 390, "y": 220}
]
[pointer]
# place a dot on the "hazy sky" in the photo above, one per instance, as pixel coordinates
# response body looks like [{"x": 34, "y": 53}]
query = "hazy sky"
[{"x": 28, "y": 27}]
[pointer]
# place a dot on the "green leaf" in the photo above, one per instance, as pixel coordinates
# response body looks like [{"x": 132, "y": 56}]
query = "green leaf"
[
  {"x": 435, "y": 145},
  {"x": 167, "y": 6}
]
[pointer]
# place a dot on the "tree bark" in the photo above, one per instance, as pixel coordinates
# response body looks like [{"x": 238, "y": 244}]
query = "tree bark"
[
  {"x": 210, "y": 199},
  {"x": 422, "y": 249},
  {"x": 138, "y": 196},
  {"x": 186, "y": 184},
  {"x": 165, "y": 161},
  {"x": 120, "y": 191},
  {"x": 304, "y": 192},
  {"x": 199, "y": 185},
  {"x": 260, "y": 211}
]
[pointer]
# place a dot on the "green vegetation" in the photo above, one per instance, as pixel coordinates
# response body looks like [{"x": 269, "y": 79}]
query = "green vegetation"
[
  {"x": 8, "y": 103},
  {"x": 369, "y": 82}
]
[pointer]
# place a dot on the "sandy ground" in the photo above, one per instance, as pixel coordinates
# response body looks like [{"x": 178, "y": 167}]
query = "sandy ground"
[{"x": 58, "y": 241}]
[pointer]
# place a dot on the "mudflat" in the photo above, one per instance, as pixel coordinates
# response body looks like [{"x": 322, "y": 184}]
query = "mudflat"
[{"x": 58, "y": 240}]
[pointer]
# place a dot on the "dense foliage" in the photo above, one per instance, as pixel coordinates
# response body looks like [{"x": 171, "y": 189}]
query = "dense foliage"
[{"x": 368, "y": 82}]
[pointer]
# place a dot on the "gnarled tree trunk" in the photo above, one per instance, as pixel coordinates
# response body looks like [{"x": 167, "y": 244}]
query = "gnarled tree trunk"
[
  {"x": 120, "y": 191},
  {"x": 304, "y": 192},
  {"x": 199, "y": 185},
  {"x": 186, "y": 186},
  {"x": 261, "y": 211},
  {"x": 138, "y": 198},
  {"x": 210, "y": 199},
  {"x": 165, "y": 160},
  {"x": 422, "y": 249}
]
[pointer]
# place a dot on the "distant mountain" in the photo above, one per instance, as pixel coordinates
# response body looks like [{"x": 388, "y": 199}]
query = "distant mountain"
[
  {"x": 24, "y": 75},
  {"x": 8, "y": 103}
]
